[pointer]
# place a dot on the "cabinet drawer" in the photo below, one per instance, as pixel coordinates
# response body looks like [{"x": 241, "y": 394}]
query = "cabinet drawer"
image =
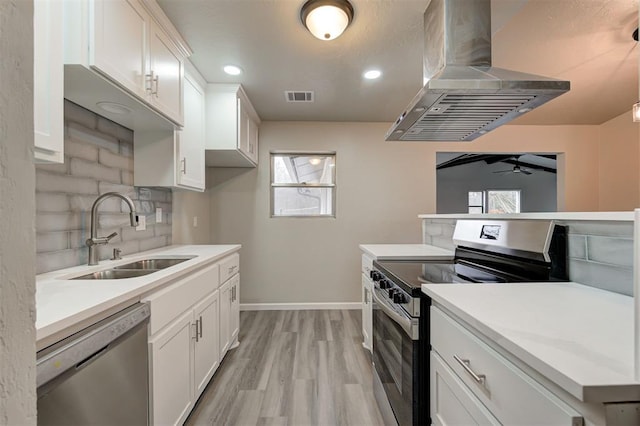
[
  {"x": 508, "y": 392},
  {"x": 229, "y": 266},
  {"x": 451, "y": 401},
  {"x": 168, "y": 303},
  {"x": 367, "y": 264}
]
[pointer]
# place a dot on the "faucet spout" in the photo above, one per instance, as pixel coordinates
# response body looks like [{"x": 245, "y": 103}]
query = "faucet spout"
[{"x": 94, "y": 240}]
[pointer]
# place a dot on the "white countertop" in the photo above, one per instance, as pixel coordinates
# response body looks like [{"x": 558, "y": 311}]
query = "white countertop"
[
  {"x": 62, "y": 304},
  {"x": 406, "y": 252},
  {"x": 579, "y": 337},
  {"x": 604, "y": 216}
]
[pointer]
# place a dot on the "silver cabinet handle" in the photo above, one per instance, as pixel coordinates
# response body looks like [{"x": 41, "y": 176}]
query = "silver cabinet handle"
[
  {"x": 196, "y": 333},
  {"x": 157, "y": 81},
  {"x": 200, "y": 322},
  {"x": 184, "y": 165},
  {"x": 466, "y": 364},
  {"x": 149, "y": 79}
]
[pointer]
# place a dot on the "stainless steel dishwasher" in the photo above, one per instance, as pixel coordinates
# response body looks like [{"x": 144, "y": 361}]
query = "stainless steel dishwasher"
[{"x": 98, "y": 376}]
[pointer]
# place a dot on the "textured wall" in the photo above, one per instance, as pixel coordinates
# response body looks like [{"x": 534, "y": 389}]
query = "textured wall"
[
  {"x": 98, "y": 159},
  {"x": 17, "y": 206},
  {"x": 600, "y": 253}
]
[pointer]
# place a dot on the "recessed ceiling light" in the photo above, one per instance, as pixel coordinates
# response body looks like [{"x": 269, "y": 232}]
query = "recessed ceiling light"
[
  {"x": 232, "y": 70},
  {"x": 372, "y": 74},
  {"x": 113, "y": 108}
]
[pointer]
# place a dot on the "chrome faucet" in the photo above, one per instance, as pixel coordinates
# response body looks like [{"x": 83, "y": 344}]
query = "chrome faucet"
[{"x": 95, "y": 241}]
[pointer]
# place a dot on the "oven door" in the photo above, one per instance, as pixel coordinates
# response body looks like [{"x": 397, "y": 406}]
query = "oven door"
[{"x": 395, "y": 342}]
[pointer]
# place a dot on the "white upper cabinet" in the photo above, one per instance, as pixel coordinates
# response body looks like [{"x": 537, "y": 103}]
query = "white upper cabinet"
[
  {"x": 120, "y": 39},
  {"x": 124, "y": 60},
  {"x": 232, "y": 127},
  {"x": 48, "y": 82},
  {"x": 175, "y": 158},
  {"x": 165, "y": 74}
]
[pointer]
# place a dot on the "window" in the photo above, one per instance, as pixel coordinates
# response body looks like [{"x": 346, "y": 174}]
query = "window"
[
  {"x": 303, "y": 184},
  {"x": 494, "y": 201}
]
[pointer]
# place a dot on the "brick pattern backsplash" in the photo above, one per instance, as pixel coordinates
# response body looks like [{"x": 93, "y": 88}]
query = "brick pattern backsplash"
[
  {"x": 600, "y": 254},
  {"x": 98, "y": 159}
]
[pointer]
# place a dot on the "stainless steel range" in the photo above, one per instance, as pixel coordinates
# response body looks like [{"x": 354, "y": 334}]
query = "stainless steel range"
[{"x": 489, "y": 251}]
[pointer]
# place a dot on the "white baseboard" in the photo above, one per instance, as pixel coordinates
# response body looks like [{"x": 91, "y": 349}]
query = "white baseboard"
[{"x": 298, "y": 306}]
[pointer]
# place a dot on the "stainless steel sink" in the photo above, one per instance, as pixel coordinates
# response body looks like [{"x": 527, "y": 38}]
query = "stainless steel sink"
[
  {"x": 157, "y": 263},
  {"x": 115, "y": 274},
  {"x": 135, "y": 269}
]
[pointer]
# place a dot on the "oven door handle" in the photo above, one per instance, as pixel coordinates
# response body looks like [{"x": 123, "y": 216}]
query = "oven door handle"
[{"x": 409, "y": 325}]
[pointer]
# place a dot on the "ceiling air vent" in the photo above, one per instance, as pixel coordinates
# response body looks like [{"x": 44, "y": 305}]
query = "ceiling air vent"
[{"x": 298, "y": 96}]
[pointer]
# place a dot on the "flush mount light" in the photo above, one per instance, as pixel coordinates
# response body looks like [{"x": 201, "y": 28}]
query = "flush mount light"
[
  {"x": 372, "y": 74},
  {"x": 523, "y": 110},
  {"x": 113, "y": 108},
  {"x": 326, "y": 19},
  {"x": 232, "y": 70},
  {"x": 314, "y": 161}
]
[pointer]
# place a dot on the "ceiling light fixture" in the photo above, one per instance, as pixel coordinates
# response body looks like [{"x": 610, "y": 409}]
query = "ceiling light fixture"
[
  {"x": 372, "y": 74},
  {"x": 114, "y": 108},
  {"x": 314, "y": 161},
  {"x": 232, "y": 70},
  {"x": 326, "y": 19}
]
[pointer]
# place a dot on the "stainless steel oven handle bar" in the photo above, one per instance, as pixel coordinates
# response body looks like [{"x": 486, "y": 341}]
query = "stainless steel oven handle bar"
[{"x": 408, "y": 324}]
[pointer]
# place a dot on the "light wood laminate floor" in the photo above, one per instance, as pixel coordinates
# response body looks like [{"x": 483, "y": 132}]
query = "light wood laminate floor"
[{"x": 293, "y": 368}]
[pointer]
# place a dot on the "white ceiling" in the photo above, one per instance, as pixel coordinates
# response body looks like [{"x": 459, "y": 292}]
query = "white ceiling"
[{"x": 585, "y": 41}]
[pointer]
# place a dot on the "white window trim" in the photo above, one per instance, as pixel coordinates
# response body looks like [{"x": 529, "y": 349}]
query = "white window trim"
[{"x": 333, "y": 186}]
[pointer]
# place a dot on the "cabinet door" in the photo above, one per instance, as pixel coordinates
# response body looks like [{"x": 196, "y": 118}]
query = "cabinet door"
[
  {"x": 253, "y": 140},
  {"x": 171, "y": 372},
  {"x": 234, "y": 314},
  {"x": 225, "y": 312},
  {"x": 190, "y": 160},
  {"x": 243, "y": 128},
  {"x": 119, "y": 47},
  {"x": 452, "y": 403},
  {"x": 207, "y": 352},
  {"x": 366, "y": 313},
  {"x": 166, "y": 72},
  {"x": 48, "y": 81}
]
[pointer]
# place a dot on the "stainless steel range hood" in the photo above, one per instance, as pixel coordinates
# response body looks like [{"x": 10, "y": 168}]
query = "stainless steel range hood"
[{"x": 463, "y": 96}]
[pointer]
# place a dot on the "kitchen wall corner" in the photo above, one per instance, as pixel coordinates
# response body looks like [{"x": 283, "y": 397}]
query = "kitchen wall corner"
[
  {"x": 17, "y": 209},
  {"x": 98, "y": 159}
]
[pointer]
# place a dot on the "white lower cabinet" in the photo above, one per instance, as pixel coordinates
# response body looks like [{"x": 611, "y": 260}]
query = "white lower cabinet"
[
  {"x": 451, "y": 401},
  {"x": 485, "y": 386},
  {"x": 367, "y": 306},
  {"x": 194, "y": 321},
  {"x": 171, "y": 390},
  {"x": 206, "y": 351},
  {"x": 367, "y": 313},
  {"x": 229, "y": 314}
]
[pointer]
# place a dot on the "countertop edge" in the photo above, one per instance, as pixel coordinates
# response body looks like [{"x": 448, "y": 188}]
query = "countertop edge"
[
  {"x": 587, "y": 216},
  {"x": 441, "y": 253},
  {"x": 585, "y": 392}
]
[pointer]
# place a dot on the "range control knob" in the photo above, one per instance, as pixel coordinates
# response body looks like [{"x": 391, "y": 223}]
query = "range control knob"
[
  {"x": 392, "y": 292},
  {"x": 375, "y": 275},
  {"x": 384, "y": 284},
  {"x": 399, "y": 298}
]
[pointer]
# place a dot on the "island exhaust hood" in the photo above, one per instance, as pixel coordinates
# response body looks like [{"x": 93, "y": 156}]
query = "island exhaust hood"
[{"x": 463, "y": 96}]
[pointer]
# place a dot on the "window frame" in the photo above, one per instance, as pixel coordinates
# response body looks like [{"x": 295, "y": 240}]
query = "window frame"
[
  {"x": 273, "y": 185},
  {"x": 485, "y": 200}
]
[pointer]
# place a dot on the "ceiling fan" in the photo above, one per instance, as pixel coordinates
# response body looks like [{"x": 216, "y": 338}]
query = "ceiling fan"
[{"x": 515, "y": 169}]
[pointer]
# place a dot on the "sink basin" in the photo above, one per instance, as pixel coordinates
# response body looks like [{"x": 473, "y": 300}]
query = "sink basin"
[
  {"x": 159, "y": 263},
  {"x": 135, "y": 269},
  {"x": 115, "y": 274}
]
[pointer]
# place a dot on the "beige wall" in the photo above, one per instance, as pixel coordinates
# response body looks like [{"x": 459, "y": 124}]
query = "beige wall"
[
  {"x": 619, "y": 166},
  {"x": 186, "y": 206},
  {"x": 17, "y": 217},
  {"x": 381, "y": 188}
]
